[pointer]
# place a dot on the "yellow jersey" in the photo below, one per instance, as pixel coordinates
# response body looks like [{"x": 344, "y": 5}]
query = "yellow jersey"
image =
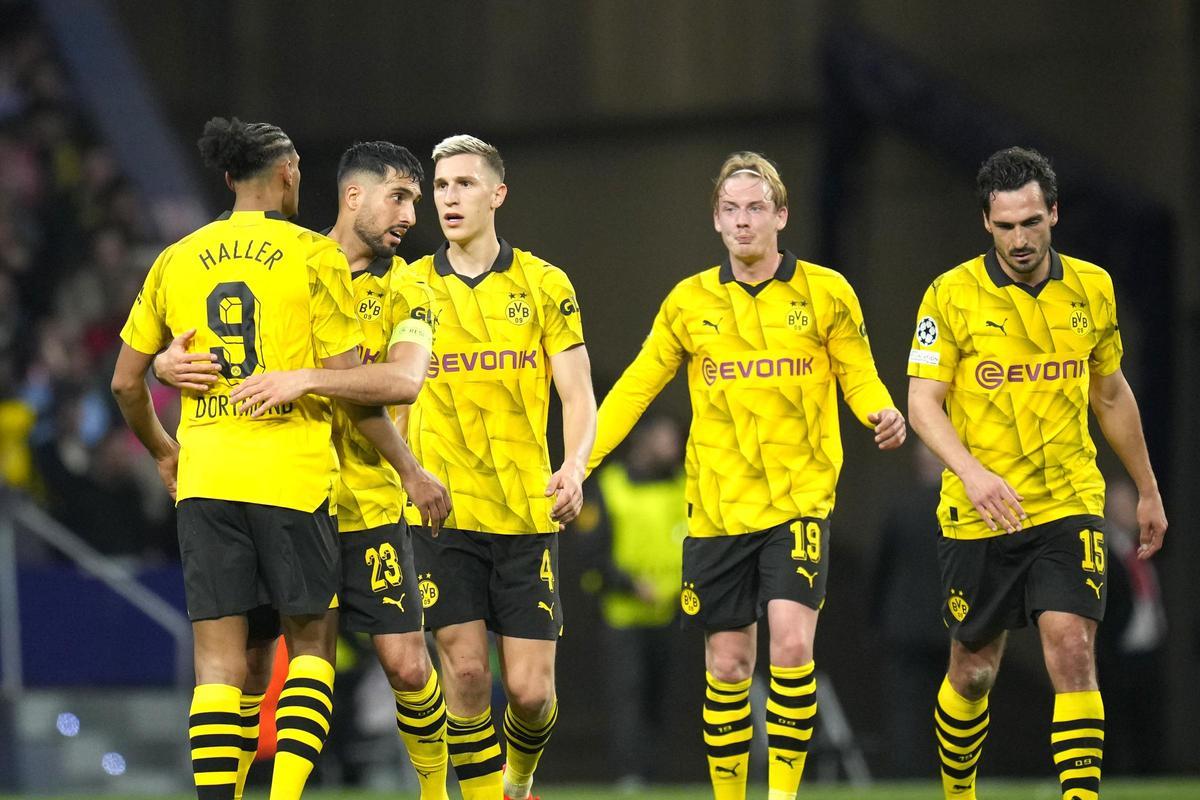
[
  {"x": 479, "y": 424},
  {"x": 386, "y": 296},
  {"x": 263, "y": 294},
  {"x": 762, "y": 365},
  {"x": 1018, "y": 361}
]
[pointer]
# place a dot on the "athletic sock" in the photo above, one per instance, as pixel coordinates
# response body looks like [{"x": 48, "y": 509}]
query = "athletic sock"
[{"x": 791, "y": 711}]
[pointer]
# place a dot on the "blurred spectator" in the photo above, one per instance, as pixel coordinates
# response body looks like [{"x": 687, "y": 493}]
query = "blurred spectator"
[
  {"x": 1129, "y": 645},
  {"x": 906, "y": 605},
  {"x": 633, "y": 525}
]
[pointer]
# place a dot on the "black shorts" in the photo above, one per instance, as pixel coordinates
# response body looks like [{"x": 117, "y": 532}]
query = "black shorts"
[
  {"x": 728, "y": 580},
  {"x": 238, "y": 556},
  {"x": 379, "y": 583},
  {"x": 508, "y": 581},
  {"x": 1004, "y": 582}
]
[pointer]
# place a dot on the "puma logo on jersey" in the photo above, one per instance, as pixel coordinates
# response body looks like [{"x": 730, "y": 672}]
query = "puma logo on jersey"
[
  {"x": 388, "y": 601},
  {"x": 997, "y": 325},
  {"x": 730, "y": 771},
  {"x": 811, "y": 576},
  {"x": 1095, "y": 587},
  {"x": 549, "y": 609},
  {"x": 790, "y": 762},
  {"x": 713, "y": 325}
]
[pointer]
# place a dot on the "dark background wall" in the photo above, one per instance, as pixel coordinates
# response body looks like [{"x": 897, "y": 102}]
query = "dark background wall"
[{"x": 614, "y": 115}]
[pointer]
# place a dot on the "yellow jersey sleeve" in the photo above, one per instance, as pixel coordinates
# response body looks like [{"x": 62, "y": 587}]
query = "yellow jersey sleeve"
[
  {"x": 414, "y": 313},
  {"x": 563, "y": 326},
  {"x": 934, "y": 354},
  {"x": 335, "y": 325},
  {"x": 656, "y": 363},
  {"x": 146, "y": 329},
  {"x": 850, "y": 356},
  {"x": 1105, "y": 358}
]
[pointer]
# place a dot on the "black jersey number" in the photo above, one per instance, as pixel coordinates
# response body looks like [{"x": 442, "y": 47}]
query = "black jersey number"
[{"x": 231, "y": 316}]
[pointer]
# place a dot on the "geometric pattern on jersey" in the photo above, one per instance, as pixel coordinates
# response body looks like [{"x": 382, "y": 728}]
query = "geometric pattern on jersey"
[
  {"x": 479, "y": 424},
  {"x": 764, "y": 445},
  {"x": 1018, "y": 361},
  {"x": 369, "y": 490},
  {"x": 263, "y": 295}
]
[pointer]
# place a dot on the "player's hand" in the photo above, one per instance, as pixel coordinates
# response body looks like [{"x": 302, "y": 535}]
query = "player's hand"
[
  {"x": 996, "y": 501},
  {"x": 1152, "y": 524},
  {"x": 428, "y": 494},
  {"x": 177, "y": 367},
  {"x": 890, "y": 430},
  {"x": 644, "y": 590},
  {"x": 168, "y": 469},
  {"x": 267, "y": 390},
  {"x": 567, "y": 487}
]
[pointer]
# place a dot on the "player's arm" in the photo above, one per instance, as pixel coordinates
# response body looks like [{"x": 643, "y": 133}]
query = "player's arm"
[
  {"x": 178, "y": 367},
  {"x": 854, "y": 366},
  {"x": 996, "y": 501},
  {"x": 572, "y": 372},
  {"x": 424, "y": 490},
  {"x": 133, "y": 397},
  {"x": 652, "y": 369},
  {"x": 1117, "y": 411}
]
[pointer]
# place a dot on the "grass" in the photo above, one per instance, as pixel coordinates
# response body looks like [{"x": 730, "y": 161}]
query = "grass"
[{"x": 1116, "y": 789}]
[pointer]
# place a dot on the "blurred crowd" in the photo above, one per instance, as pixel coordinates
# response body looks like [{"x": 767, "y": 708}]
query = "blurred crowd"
[{"x": 75, "y": 243}]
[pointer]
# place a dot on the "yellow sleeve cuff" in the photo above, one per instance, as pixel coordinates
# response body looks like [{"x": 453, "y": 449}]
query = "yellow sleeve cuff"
[{"x": 413, "y": 330}]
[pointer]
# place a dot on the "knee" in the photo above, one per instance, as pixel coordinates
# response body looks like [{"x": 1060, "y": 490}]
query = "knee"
[
  {"x": 973, "y": 681},
  {"x": 791, "y": 648},
  {"x": 531, "y": 696},
  {"x": 731, "y": 667},
  {"x": 408, "y": 672},
  {"x": 468, "y": 676}
]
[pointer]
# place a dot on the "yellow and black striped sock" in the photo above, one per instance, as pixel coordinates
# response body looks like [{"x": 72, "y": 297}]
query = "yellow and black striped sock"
[
  {"x": 475, "y": 754},
  {"x": 248, "y": 710},
  {"x": 421, "y": 720},
  {"x": 301, "y": 724},
  {"x": 961, "y": 726},
  {"x": 1077, "y": 741},
  {"x": 791, "y": 711},
  {"x": 727, "y": 734},
  {"x": 525, "y": 745},
  {"x": 214, "y": 729}
]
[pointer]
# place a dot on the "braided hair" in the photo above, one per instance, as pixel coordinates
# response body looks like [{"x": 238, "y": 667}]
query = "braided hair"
[{"x": 243, "y": 149}]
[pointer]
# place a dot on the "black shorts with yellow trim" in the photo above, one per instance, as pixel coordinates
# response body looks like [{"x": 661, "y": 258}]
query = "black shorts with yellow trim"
[
  {"x": 728, "y": 580},
  {"x": 510, "y": 581},
  {"x": 379, "y": 582},
  {"x": 239, "y": 556},
  {"x": 1005, "y": 582}
]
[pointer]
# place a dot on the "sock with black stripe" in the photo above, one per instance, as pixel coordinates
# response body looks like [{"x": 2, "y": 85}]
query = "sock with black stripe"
[
  {"x": 525, "y": 745},
  {"x": 301, "y": 724},
  {"x": 727, "y": 734},
  {"x": 248, "y": 709},
  {"x": 791, "y": 710},
  {"x": 214, "y": 729},
  {"x": 475, "y": 754},
  {"x": 1077, "y": 742},
  {"x": 961, "y": 725},
  {"x": 421, "y": 720}
]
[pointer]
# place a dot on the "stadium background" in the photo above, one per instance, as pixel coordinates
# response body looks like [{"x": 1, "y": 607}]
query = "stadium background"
[{"x": 612, "y": 117}]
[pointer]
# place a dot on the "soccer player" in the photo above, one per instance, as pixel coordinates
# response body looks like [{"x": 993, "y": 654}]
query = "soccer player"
[
  {"x": 766, "y": 338},
  {"x": 379, "y": 184},
  {"x": 507, "y": 321},
  {"x": 253, "y": 494},
  {"x": 1010, "y": 350}
]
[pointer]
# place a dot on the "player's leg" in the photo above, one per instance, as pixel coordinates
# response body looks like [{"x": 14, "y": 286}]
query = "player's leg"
[
  {"x": 961, "y": 715},
  {"x": 720, "y": 594},
  {"x": 264, "y": 630},
  {"x": 794, "y": 568},
  {"x": 470, "y": 732},
  {"x": 454, "y": 570},
  {"x": 300, "y": 562},
  {"x": 220, "y": 581},
  {"x": 1067, "y": 585},
  {"x": 380, "y": 596},
  {"x": 527, "y": 616}
]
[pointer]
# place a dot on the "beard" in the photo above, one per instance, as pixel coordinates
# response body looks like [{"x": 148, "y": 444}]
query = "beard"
[{"x": 373, "y": 240}]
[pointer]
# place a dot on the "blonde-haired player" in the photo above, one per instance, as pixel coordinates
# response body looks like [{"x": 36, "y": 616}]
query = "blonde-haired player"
[{"x": 767, "y": 338}]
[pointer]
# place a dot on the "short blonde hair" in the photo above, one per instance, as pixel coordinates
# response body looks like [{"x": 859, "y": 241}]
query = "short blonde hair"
[
  {"x": 752, "y": 164},
  {"x": 465, "y": 144}
]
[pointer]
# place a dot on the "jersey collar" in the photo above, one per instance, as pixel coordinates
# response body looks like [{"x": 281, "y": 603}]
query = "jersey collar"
[
  {"x": 267, "y": 214},
  {"x": 443, "y": 267},
  {"x": 999, "y": 277},
  {"x": 785, "y": 272}
]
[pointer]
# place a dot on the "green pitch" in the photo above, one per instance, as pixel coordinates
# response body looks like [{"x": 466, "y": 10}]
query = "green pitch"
[{"x": 1158, "y": 789}]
